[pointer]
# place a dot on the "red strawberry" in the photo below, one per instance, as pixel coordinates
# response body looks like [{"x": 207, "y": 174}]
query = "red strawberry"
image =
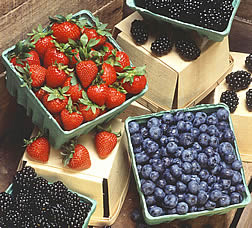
[
  {"x": 75, "y": 90},
  {"x": 107, "y": 48},
  {"x": 109, "y": 74},
  {"x": 97, "y": 93},
  {"x": 40, "y": 93},
  {"x": 114, "y": 98},
  {"x": 123, "y": 59},
  {"x": 55, "y": 101},
  {"x": 76, "y": 156},
  {"x": 105, "y": 142},
  {"x": 73, "y": 60},
  {"x": 133, "y": 80},
  {"x": 71, "y": 118},
  {"x": 38, "y": 148},
  {"x": 92, "y": 34},
  {"x": 53, "y": 55},
  {"x": 64, "y": 29},
  {"x": 38, "y": 74},
  {"x": 56, "y": 75},
  {"x": 57, "y": 118},
  {"x": 86, "y": 71},
  {"x": 43, "y": 44}
]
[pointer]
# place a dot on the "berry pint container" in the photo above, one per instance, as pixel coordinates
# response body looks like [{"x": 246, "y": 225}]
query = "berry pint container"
[
  {"x": 40, "y": 116},
  {"x": 209, "y": 33},
  {"x": 152, "y": 220}
]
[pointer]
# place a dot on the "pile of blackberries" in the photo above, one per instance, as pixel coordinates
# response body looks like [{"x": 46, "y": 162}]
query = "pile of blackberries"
[
  {"x": 36, "y": 203},
  {"x": 186, "y": 161}
]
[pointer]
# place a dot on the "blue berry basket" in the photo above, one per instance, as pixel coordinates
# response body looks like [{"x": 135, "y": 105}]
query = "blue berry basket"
[
  {"x": 151, "y": 220},
  {"x": 40, "y": 115},
  {"x": 209, "y": 33},
  {"x": 83, "y": 199}
]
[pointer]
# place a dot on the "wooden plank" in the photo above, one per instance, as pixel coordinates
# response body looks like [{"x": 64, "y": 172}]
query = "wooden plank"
[{"x": 245, "y": 9}]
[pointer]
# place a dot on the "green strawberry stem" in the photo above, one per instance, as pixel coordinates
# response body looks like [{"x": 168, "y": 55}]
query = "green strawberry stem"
[
  {"x": 108, "y": 129},
  {"x": 32, "y": 139},
  {"x": 40, "y": 33},
  {"x": 68, "y": 150}
]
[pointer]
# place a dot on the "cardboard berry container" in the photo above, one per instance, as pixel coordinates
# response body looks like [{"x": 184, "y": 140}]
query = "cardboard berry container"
[
  {"x": 83, "y": 199},
  {"x": 37, "y": 111},
  {"x": 208, "y": 108},
  {"x": 209, "y": 33}
]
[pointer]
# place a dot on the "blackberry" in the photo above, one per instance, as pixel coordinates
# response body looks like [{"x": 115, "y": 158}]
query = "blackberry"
[
  {"x": 13, "y": 218},
  {"x": 248, "y": 62},
  {"x": 212, "y": 19},
  {"x": 249, "y": 99},
  {"x": 139, "y": 32},
  {"x": 40, "y": 203},
  {"x": 6, "y": 203},
  {"x": 57, "y": 192},
  {"x": 72, "y": 202},
  {"x": 230, "y": 98},
  {"x": 187, "y": 49},
  {"x": 57, "y": 214},
  {"x": 39, "y": 185},
  {"x": 238, "y": 80},
  {"x": 162, "y": 45},
  {"x": 158, "y": 6},
  {"x": 175, "y": 11},
  {"x": 23, "y": 201},
  {"x": 191, "y": 9}
]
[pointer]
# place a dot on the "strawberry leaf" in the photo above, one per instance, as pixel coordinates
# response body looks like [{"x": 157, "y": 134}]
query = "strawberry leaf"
[
  {"x": 93, "y": 42},
  {"x": 69, "y": 16},
  {"x": 84, "y": 40},
  {"x": 93, "y": 108}
]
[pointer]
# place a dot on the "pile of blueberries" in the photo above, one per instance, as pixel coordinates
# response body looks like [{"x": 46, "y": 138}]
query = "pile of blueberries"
[{"x": 186, "y": 161}]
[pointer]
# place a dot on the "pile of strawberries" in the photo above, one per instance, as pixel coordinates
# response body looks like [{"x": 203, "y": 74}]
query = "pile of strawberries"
[{"x": 74, "y": 71}]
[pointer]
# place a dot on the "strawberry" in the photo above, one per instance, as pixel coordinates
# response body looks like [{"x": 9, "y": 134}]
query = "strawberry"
[
  {"x": 56, "y": 75},
  {"x": 57, "y": 118},
  {"x": 86, "y": 71},
  {"x": 109, "y": 74},
  {"x": 75, "y": 155},
  {"x": 40, "y": 93},
  {"x": 71, "y": 118},
  {"x": 42, "y": 40},
  {"x": 98, "y": 93},
  {"x": 64, "y": 28},
  {"x": 105, "y": 142},
  {"x": 57, "y": 54},
  {"x": 133, "y": 79},
  {"x": 75, "y": 90},
  {"x": 114, "y": 98},
  {"x": 38, "y": 148},
  {"x": 123, "y": 59},
  {"x": 55, "y": 100},
  {"x": 75, "y": 58},
  {"x": 107, "y": 48}
]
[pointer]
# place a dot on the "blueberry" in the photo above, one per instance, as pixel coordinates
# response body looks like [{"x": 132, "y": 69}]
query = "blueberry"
[
  {"x": 133, "y": 127},
  {"x": 189, "y": 116},
  {"x": 202, "y": 208},
  {"x": 170, "y": 201},
  {"x": 179, "y": 151},
  {"x": 213, "y": 161},
  {"x": 158, "y": 166},
  {"x": 136, "y": 139},
  {"x": 209, "y": 151},
  {"x": 214, "y": 141},
  {"x": 150, "y": 200},
  {"x": 136, "y": 215},
  {"x": 181, "y": 187},
  {"x": 185, "y": 178},
  {"x": 232, "y": 189},
  {"x": 212, "y": 120},
  {"x": 195, "y": 153},
  {"x": 186, "y": 139},
  {"x": 195, "y": 132},
  {"x": 203, "y": 128},
  {"x": 148, "y": 187},
  {"x": 142, "y": 181},
  {"x": 203, "y": 186},
  {"x": 195, "y": 178},
  {"x": 137, "y": 149},
  {"x": 166, "y": 161},
  {"x": 144, "y": 132},
  {"x": 163, "y": 140},
  {"x": 170, "y": 189},
  {"x": 173, "y": 131},
  {"x": 182, "y": 208},
  {"x": 215, "y": 170},
  {"x": 139, "y": 168},
  {"x": 153, "y": 122},
  {"x": 226, "y": 173},
  {"x": 154, "y": 175},
  {"x": 228, "y": 135},
  {"x": 173, "y": 139},
  {"x": 226, "y": 183},
  {"x": 211, "y": 179},
  {"x": 176, "y": 171},
  {"x": 154, "y": 160},
  {"x": 193, "y": 209},
  {"x": 155, "y": 211},
  {"x": 222, "y": 125},
  {"x": 212, "y": 130},
  {"x": 223, "y": 165},
  {"x": 180, "y": 115},
  {"x": 198, "y": 121},
  {"x": 163, "y": 151},
  {"x": 155, "y": 132},
  {"x": 181, "y": 197},
  {"x": 159, "y": 194},
  {"x": 169, "y": 177},
  {"x": 202, "y": 197},
  {"x": 187, "y": 155},
  {"x": 210, "y": 205},
  {"x": 203, "y": 139},
  {"x": 224, "y": 192},
  {"x": 235, "y": 198},
  {"x": 236, "y": 165},
  {"x": 215, "y": 195},
  {"x": 226, "y": 148},
  {"x": 141, "y": 158},
  {"x": 193, "y": 187},
  {"x": 161, "y": 183},
  {"x": 157, "y": 154},
  {"x": 171, "y": 147},
  {"x": 229, "y": 158},
  {"x": 152, "y": 148},
  {"x": 188, "y": 126},
  {"x": 187, "y": 167},
  {"x": 240, "y": 188},
  {"x": 146, "y": 142},
  {"x": 201, "y": 114},
  {"x": 217, "y": 186},
  {"x": 222, "y": 114},
  {"x": 195, "y": 167},
  {"x": 191, "y": 199},
  {"x": 164, "y": 127},
  {"x": 167, "y": 118},
  {"x": 171, "y": 211},
  {"x": 202, "y": 159},
  {"x": 196, "y": 146},
  {"x": 224, "y": 201},
  {"x": 204, "y": 174},
  {"x": 181, "y": 125}
]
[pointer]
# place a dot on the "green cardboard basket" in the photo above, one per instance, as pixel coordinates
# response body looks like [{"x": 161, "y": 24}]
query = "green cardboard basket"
[
  {"x": 209, "y": 33},
  {"x": 83, "y": 199},
  {"x": 39, "y": 114},
  {"x": 208, "y": 108}
]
